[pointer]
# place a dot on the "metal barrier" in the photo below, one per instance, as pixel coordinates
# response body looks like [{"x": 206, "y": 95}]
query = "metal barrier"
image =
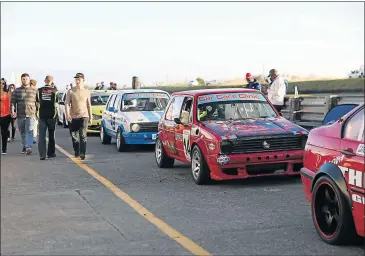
[{"x": 309, "y": 110}]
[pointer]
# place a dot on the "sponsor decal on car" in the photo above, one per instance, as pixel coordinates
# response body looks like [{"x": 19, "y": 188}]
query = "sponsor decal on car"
[
  {"x": 186, "y": 142},
  {"x": 144, "y": 95},
  {"x": 229, "y": 97},
  {"x": 360, "y": 150}
]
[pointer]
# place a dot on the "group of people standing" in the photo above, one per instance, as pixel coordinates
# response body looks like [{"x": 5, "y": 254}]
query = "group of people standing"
[
  {"x": 101, "y": 86},
  {"x": 276, "y": 90},
  {"x": 36, "y": 109}
]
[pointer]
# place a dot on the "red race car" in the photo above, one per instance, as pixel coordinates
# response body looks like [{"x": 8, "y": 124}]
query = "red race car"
[
  {"x": 333, "y": 175},
  {"x": 228, "y": 134}
]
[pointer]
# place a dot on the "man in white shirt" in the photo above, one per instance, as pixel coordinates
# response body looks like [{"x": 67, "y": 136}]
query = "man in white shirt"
[{"x": 277, "y": 90}]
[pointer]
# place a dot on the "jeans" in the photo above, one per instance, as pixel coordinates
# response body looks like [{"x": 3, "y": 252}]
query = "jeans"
[
  {"x": 44, "y": 125},
  {"x": 26, "y": 127},
  {"x": 78, "y": 131},
  {"x": 4, "y": 124}
]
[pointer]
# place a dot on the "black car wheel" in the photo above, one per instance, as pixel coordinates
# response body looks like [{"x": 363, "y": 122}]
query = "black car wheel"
[
  {"x": 199, "y": 168},
  {"x": 121, "y": 145},
  {"x": 331, "y": 215},
  {"x": 104, "y": 138},
  {"x": 162, "y": 159}
]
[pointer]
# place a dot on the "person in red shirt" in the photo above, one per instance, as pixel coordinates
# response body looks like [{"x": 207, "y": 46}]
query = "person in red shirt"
[{"x": 5, "y": 118}]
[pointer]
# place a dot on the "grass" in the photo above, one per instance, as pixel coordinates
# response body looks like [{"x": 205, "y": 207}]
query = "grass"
[{"x": 355, "y": 85}]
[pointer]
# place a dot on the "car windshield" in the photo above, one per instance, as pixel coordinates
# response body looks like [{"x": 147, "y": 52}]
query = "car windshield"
[
  {"x": 144, "y": 102},
  {"x": 99, "y": 100},
  {"x": 233, "y": 106}
]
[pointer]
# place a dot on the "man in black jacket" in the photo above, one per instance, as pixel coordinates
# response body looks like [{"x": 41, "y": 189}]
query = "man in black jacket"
[{"x": 47, "y": 99}]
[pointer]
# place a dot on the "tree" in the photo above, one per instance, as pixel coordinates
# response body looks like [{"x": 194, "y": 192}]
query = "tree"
[{"x": 200, "y": 81}]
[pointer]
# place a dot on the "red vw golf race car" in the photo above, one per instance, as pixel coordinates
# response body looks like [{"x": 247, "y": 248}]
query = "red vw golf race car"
[
  {"x": 228, "y": 134},
  {"x": 333, "y": 175}
]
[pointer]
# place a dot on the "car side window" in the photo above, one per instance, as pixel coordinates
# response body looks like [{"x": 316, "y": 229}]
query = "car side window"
[
  {"x": 110, "y": 102},
  {"x": 186, "y": 111},
  {"x": 168, "y": 115},
  {"x": 176, "y": 108},
  {"x": 354, "y": 128},
  {"x": 116, "y": 102}
]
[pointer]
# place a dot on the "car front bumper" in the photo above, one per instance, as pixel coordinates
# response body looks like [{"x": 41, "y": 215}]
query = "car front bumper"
[
  {"x": 238, "y": 166},
  {"x": 307, "y": 179},
  {"x": 140, "y": 138},
  {"x": 94, "y": 127}
]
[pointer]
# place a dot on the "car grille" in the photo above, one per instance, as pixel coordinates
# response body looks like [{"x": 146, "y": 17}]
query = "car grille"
[
  {"x": 148, "y": 127},
  {"x": 257, "y": 144}
]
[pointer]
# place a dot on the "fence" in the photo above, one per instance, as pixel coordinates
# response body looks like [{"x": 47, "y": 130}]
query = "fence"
[{"x": 309, "y": 110}]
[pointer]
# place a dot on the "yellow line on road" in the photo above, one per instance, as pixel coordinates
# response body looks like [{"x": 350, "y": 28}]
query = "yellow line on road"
[{"x": 160, "y": 224}]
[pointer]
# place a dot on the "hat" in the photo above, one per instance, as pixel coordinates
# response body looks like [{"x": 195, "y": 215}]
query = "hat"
[
  {"x": 79, "y": 75},
  {"x": 273, "y": 72},
  {"x": 49, "y": 78},
  {"x": 249, "y": 75}
]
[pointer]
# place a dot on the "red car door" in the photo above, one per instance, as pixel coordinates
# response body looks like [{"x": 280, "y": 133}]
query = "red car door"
[
  {"x": 183, "y": 130},
  {"x": 170, "y": 127},
  {"x": 352, "y": 166}
]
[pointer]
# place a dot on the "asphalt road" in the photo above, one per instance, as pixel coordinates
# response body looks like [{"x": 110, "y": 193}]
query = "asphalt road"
[{"x": 54, "y": 207}]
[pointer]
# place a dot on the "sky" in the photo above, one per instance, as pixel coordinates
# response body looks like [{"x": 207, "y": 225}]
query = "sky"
[{"x": 180, "y": 41}]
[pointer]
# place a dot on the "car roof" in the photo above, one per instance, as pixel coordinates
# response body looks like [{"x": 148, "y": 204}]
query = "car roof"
[
  {"x": 138, "y": 91},
  {"x": 213, "y": 91}
]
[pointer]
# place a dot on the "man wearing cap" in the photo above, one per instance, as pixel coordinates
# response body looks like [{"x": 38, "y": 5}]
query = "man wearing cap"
[
  {"x": 78, "y": 113},
  {"x": 277, "y": 90},
  {"x": 252, "y": 82},
  {"x": 47, "y": 99},
  {"x": 23, "y": 106}
]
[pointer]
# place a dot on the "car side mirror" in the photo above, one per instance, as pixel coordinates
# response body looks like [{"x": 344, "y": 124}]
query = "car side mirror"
[
  {"x": 281, "y": 114},
  {"x": 111, "y": 109},
  {"x": 177, "y": 120}
]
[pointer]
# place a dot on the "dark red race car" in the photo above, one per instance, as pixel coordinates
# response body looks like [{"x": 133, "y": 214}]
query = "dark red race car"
[
  {"x": 333, "y": 175},
  {"x": 228, "y": 134}
]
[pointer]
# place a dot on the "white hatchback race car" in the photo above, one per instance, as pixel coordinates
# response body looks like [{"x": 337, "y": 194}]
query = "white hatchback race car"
[{"x": 132, "y": 117}]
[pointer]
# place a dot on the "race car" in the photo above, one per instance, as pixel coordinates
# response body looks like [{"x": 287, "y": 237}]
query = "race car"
[
  {"x": 98, "y": 100},
  {"x": 228, "y": 134},
  {"x": 333, "y": 175},
  {"x": 132, "y": 116}
]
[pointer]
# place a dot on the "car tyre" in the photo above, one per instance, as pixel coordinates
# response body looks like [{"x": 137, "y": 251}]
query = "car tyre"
[
  {"x": 161, "y": 157},
  {"x": 199, "y": 168},
  {"x": 331, "y": 215},
  {"x": 64, "y": 122},
  {"x": 121, "y": 145},
  {"x": 104, "y": 137}
]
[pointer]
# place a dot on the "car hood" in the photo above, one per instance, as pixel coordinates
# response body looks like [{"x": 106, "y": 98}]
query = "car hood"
[
  {"x": 97, "y": 110},
  {"x": 254, "y": 127}
]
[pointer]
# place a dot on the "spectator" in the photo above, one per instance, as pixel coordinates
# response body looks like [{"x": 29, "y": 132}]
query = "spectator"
[
  {"x": 5, "y": 116},
  {"x": 78, "y": 113},
  {"x": 111, "y": 86},
  {"x": 97, "y": 87},
  {"x": 13, "y": 119},
  {"x": 252, "y": 82},
  {"x": 23, "y": 106},
  {"x": 114, "y": 86},
  {"x": 102, "y": 85},
  {"x": 53, "y": 85},
  {"x": 33, "y": 83},
  {"x": 47, "y": 99},
  {"x": 277, "y": 90}
]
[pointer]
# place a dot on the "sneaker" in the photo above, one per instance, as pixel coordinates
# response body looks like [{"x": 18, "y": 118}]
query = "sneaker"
[
  {"x": 8, "y": 139},
  {"x": 3, "y": 153},
  {"x": 34, "y": 141},
  {"x": 28, "y": 151},
  {"x": 82, "y": 156},
  {"x": 23, "y": 151},
  {"x": 42, "y": 158},
  {"x": 51, "y": 156}
]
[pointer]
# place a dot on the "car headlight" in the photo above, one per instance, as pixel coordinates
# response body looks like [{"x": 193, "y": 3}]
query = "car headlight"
[
  {"x": 96, "y": 117},
  {"x": 135, "y": 127},
  {"x": 226, "y": 146}
]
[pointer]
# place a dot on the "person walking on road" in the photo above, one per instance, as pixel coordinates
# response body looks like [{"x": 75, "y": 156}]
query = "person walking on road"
[
  {"x": 277, "y": 90},
  {"x": 23, "y": 106},
  {"x": 11, "y": 136},
  {"x": 33, "y": 83},
  {"x": 5, "y": 116},
  {"x": 47, "y": 99},
  {"x": 252, "y": 82},
  {"x": 78, "y": 113}
]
